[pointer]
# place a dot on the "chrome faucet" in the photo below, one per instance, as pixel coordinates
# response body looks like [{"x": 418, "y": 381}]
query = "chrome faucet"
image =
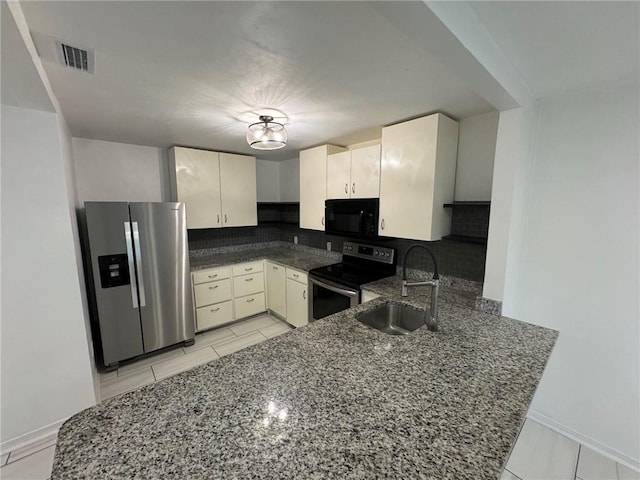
[{"x": 434, "y": 283}]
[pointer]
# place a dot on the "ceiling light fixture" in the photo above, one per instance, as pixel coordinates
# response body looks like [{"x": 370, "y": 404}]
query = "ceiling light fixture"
[{"x": 267, "y": 134}]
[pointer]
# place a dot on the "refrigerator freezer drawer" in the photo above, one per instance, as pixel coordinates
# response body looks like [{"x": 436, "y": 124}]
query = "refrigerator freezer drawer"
[
  {"x": 212, "y": 292},
  {"x": 248, "y": 284},
  {"x": 245, "y": 268},
  {"x": 250, "y": 305},
  {"x": 211, "y": 275},
  {"x": 214, "y": 315}
]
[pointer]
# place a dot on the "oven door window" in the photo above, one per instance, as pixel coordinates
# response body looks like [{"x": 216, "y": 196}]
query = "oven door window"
[{"x": 327, "y": 302}]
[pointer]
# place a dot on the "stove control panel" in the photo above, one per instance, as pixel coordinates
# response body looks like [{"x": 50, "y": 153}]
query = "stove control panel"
[{"x": 369, "y": 252}]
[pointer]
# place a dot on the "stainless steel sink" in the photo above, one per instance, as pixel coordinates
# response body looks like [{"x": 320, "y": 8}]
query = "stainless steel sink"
[{"x": 394, "y": 319}]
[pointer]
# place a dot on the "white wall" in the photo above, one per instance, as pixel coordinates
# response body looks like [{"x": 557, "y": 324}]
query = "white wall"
[
  {"x": 577, "y": 268},
  {"x": 46, "y": 367},
  {"x": 508, "y": 195},
  {"x": 268, "y": 180},
  {"x": 476, "y": 152},
  {"x": 111, "y": 171},
  {"x": 290, "y": 180}
]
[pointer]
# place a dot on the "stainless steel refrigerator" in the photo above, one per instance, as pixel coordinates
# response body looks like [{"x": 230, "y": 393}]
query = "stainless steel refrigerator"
[{"x": 139, "y": 263}]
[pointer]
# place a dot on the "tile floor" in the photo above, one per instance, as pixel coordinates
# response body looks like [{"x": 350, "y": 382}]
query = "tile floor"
[{"x": 539, "y": 453}]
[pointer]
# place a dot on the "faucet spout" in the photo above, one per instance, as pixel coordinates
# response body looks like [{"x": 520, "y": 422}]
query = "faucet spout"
[{"x": 434, "y": 283}]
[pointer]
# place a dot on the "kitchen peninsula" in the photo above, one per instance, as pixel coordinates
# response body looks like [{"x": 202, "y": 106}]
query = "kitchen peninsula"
[{"x": 334, "y": 399}]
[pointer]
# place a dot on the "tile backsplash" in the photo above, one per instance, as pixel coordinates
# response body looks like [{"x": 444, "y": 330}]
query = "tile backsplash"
[{"x": 463, "y": 260}]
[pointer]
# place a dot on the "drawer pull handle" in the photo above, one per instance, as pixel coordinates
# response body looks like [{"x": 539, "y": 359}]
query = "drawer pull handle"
[
  {"x": 213, "y": 287},
  {"x": 295, "y": 275},
  {"x": 353, "y": 188},
  {"x": 346, "y": 188},
  {"x": 248, "y": 269},
  {"x": 275, "y": 268},
  {"x": 215, "y": 309},
  {"x": 212, "y": 276},
  {"x": 250, "y": 300},
  {"x": 304, "y": 294},
  {"x": 248, "y": 279}
]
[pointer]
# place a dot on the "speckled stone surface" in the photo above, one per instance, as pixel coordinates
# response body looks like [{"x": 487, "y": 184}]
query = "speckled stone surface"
[
  {"x": 296, "y": 256},
  {"x": 332, "y": 400},
  {"x": 487, "y": 305}
]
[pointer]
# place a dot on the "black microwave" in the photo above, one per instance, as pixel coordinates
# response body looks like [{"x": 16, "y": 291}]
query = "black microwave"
[{"x": 356, "y": 218}]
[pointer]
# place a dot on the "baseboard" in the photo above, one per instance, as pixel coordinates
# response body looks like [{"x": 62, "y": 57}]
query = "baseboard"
[
  {"x": 44, "y": 435},
  {"x": 585, "y": 440}
]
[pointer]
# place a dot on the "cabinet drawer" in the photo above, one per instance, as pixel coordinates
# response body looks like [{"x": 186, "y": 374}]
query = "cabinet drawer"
[
  {"x": 297, "y": 275},
  {"x": 250, "y": 267},
  {"x": 249, "y": 305},
  {"x": 248, "y": 284},
  {"x": 213, "y": 315},
  {"x": 212, "y": 292},
  {"x": 211, "y": 274}
]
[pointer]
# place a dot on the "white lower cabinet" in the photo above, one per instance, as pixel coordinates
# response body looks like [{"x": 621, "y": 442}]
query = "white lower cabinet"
[
  {"x": 214, "y": 315},
  {"x": 213, "y": 295},
  {"x": 224, "y": 294},
  {"x": 276, "y": 288},
  {"x": 249, "y": 305},
  {"x": 297, "y": 298},
  {"x": 367, "y": 295}
]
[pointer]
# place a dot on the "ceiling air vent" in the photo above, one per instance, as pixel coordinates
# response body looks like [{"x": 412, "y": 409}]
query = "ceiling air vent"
[{"x": 75, "y": 57}]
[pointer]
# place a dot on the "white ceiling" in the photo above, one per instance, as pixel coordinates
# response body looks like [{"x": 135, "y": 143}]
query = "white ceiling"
[
  {"x": 187, "y": 73},
  {"x": 566, "y": 46}
]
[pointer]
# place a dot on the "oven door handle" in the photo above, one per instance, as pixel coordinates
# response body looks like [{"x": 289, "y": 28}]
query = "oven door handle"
[{"x": 335, "y": 287}]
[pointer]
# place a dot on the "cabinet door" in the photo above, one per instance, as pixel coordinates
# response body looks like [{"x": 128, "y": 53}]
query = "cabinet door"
[
  {"x": 238, "y": 190},
  {"x": 313, "y": 185},
  {"x": 276, "y": 289},
  {"x": 197, "y": 182},
  {"x": 417, "y": 176},
  {"x": 365, "y": 172},
  {"x": 339, "y": 175},
  {"x": 297, "y": 303}
]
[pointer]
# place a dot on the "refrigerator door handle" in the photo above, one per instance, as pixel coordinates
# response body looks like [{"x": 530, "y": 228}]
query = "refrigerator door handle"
[
  {"x": 136, "y": 242},
  {"x": 132, "y": 266}
]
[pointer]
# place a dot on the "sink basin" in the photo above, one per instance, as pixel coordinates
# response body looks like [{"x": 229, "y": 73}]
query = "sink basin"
[{"x": 394, "y": 319}]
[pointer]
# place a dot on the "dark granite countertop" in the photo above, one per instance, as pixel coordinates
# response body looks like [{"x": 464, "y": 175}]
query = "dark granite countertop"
[
  {"x": 290, "y": 255},
  {"x": 334, "y": 399}
]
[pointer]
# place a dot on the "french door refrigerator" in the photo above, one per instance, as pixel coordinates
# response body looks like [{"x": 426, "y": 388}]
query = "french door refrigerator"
[{"x": 139, "y": 259}]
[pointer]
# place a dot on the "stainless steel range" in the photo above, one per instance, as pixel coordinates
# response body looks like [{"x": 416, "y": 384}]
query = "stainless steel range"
[{"x": 337, "y": 287}]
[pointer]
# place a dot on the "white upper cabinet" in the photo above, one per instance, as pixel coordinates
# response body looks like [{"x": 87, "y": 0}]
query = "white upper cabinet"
[
  {"x": 219, "y": 189},
  {"x": 354, "y": 173},
  {"x": 313, "y": 185},
  {"x": 417, "y": 177},
  {"x": 339, "y": 175},
  {"x": 365, "y": 172},
  {"x": 196, "y": 182},
  {"x": 238, "y": 190}
]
